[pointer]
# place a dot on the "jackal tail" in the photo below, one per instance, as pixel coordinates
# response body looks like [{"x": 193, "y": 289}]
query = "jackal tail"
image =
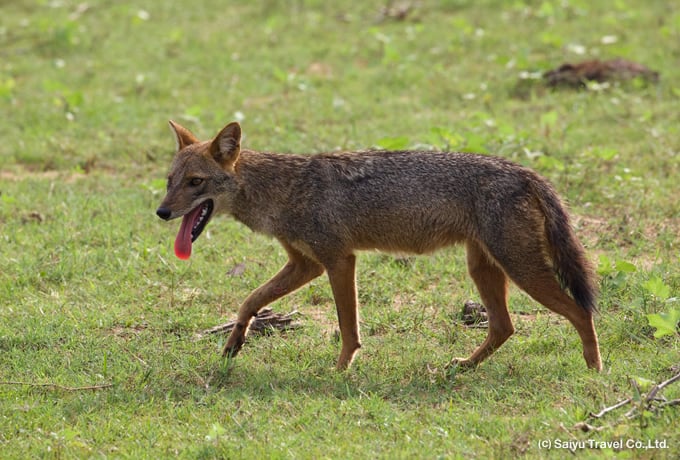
[{"x": 574, "y": 271}]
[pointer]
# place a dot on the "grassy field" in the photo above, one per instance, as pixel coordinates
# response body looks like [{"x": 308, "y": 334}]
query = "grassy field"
[{"x": 98, "y": 319}]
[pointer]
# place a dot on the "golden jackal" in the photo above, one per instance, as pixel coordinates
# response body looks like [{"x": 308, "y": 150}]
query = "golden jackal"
[{"x": 323, "y": 208}]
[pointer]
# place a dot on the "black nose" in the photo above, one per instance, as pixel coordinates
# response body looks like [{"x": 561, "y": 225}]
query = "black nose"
[{"x": 163, "y": 213}]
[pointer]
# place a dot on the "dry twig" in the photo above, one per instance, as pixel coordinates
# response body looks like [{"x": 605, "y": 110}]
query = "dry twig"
[
  {"x": 652, "y": 393},
  {"x": 265, "y": 321},
  {"x": 56, "y": 386},
  {"x": 474, "y": 315},
  {"x": 606, "y": 410},
  {"x": 652, "y": 402}
]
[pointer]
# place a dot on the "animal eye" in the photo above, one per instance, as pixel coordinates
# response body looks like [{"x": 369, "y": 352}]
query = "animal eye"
[{"x": 196, "y": 181}]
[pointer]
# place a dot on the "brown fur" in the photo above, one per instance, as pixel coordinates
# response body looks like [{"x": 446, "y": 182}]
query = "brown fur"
[
  {"x": 577, "y": 75},
  {"x": 323, "y": 208}
]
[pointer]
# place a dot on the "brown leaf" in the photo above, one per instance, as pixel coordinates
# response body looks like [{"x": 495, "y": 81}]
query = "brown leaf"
[{"x": 237, "y": 270}]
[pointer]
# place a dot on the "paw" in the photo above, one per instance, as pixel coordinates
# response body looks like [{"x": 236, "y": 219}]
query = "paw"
[
  {"x": 460, "y": 364},
  {"x": 229, "y": 351},
  {"x": 346, "y": 357},
  {"x": 342, "y": 365},
  {"x": 233, "y": 345}
]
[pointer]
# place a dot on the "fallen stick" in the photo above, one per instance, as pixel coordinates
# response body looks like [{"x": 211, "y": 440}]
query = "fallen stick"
[
  {"x": 672, "y": 402},
  {"x": 266, "y": 320},
  {"x": 660, "y": 386},
  {"x": 606, "y": 410},
  {"x": 646, "y": 403},
  {"x": 56, "y": 386}
]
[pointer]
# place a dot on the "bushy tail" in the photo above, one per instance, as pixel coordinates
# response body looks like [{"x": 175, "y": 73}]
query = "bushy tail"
[{"x": 574, "y": 272}]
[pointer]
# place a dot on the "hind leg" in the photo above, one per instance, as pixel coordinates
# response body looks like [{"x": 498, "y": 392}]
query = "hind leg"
[
  {"x": 545, "y": 289},
  {"x": 492, "y": 284},
  {"x": 526, "y": 265},
  {"x": 341, "y": 275}
]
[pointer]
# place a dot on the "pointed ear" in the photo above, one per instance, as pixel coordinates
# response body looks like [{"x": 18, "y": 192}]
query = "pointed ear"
[
  {"x": 183, "y": 136},
  {"x": 226, "y": 146}
]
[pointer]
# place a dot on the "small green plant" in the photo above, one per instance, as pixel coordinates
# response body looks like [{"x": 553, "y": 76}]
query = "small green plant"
[
  {"x": 393, "y": 143},
  {"x": 657, "y": 288},
  {"x": 604, "y": 153},
  {"x": 615, "y": 273},
  {"x": 445, "y": 139},
  {"x": 7, "y": 85},
  {"x": 666, "y": 324}
]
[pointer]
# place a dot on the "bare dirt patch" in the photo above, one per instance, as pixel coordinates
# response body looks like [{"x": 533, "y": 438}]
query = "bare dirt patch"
[{"x": 20, "y": 175}]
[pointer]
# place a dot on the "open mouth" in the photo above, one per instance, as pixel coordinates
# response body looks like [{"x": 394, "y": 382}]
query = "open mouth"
[
  {"x": 200, "y": 222},
  {"x": 191, "y": 228}
]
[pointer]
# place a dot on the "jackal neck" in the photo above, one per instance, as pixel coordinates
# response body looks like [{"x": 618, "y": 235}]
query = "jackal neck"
[{"x": 265, "y": 184}]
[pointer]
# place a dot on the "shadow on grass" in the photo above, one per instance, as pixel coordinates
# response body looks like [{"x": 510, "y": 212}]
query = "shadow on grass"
[{"x": 406, "y": 383}]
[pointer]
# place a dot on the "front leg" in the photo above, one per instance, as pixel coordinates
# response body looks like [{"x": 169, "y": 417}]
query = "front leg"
[{"x": 298, "y": 271}]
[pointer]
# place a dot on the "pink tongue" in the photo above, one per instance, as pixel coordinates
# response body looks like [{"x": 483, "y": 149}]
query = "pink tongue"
[{"x": 183, "y": 240}]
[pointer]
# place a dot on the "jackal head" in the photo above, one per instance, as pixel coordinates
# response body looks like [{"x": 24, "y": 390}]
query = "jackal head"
[{"x": 201, "y": 182}]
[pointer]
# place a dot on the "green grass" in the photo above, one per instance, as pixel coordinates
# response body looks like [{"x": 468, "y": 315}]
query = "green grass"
[{"x": 91, "y": 294}]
